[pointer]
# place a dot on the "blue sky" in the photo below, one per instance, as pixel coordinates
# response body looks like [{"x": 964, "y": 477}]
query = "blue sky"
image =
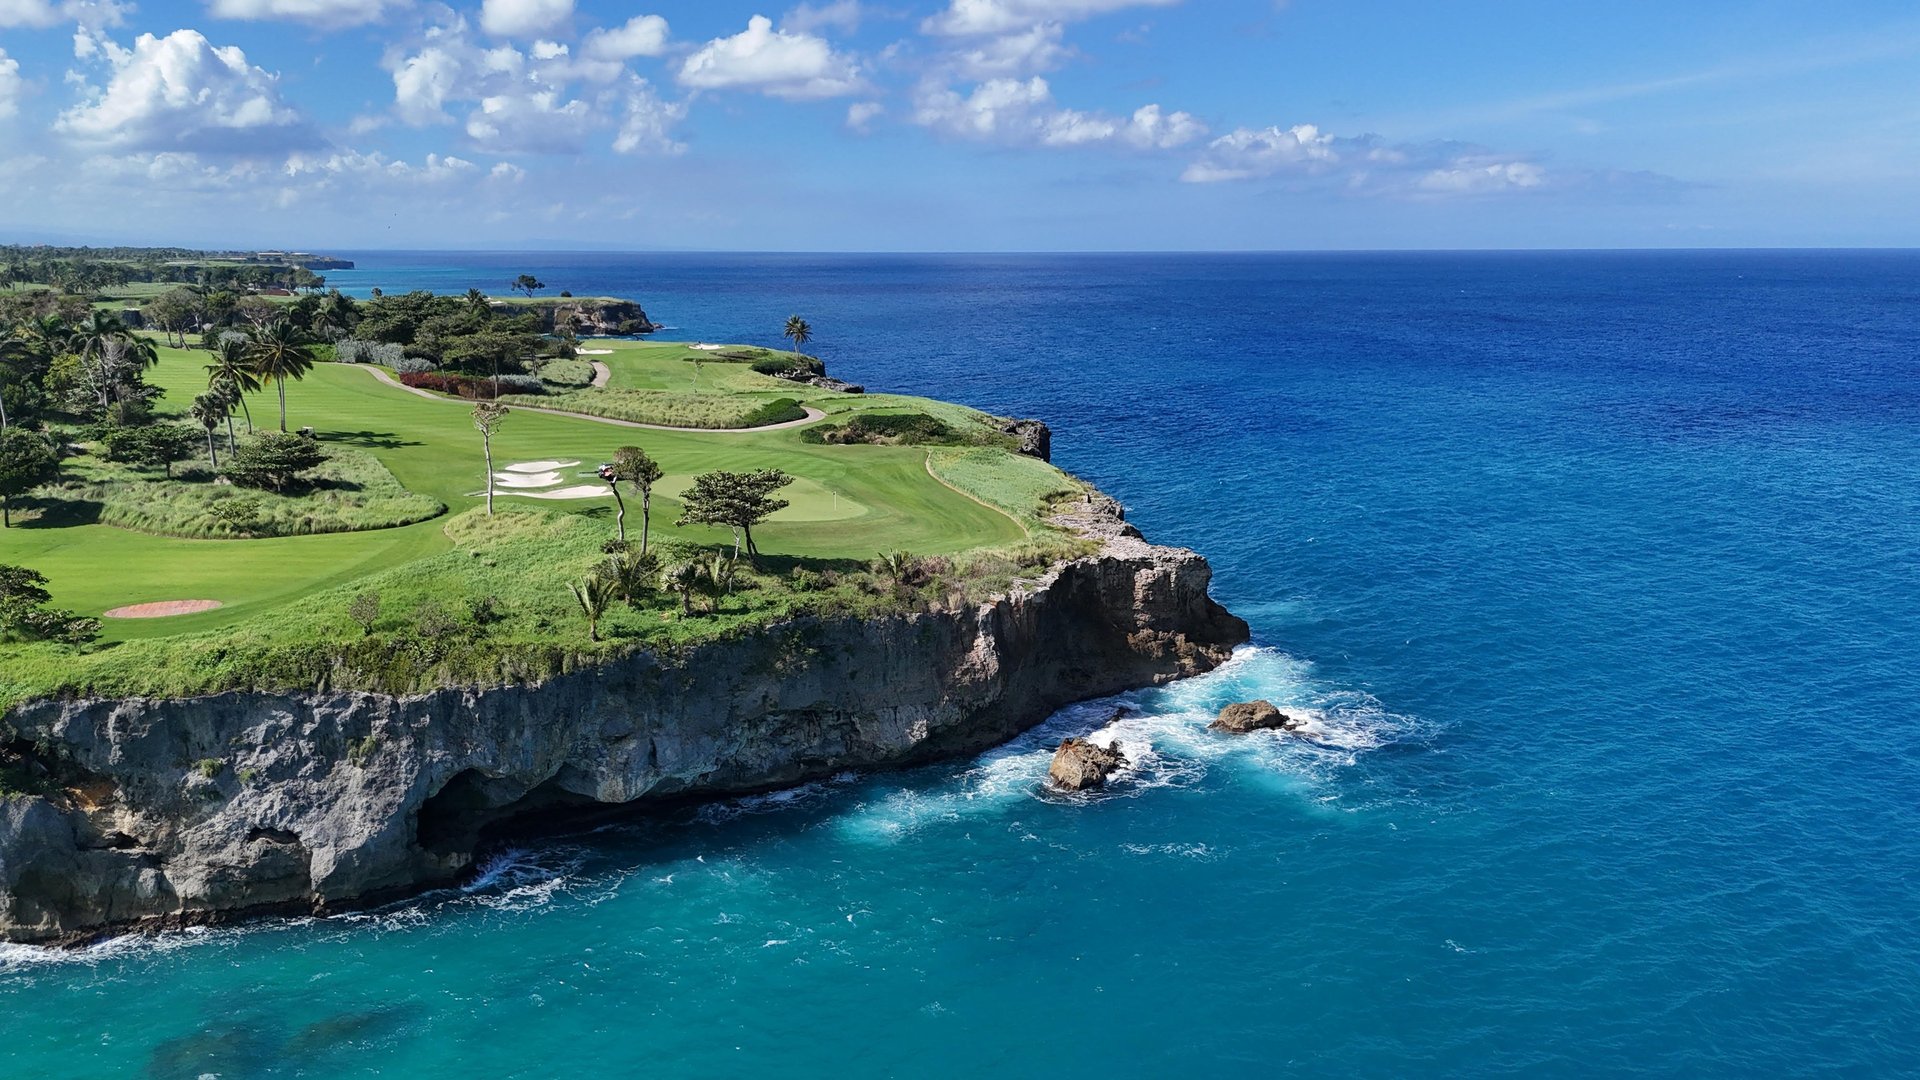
[{"x": 960, "y": 124}]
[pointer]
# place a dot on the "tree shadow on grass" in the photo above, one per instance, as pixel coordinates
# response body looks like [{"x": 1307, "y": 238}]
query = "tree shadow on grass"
[
  {"x": 41, "y": 512},
  {"x": 371, "y": 440}
]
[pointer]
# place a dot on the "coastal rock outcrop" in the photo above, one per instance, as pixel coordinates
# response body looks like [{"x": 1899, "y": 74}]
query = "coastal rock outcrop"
[
  {"x": 158, "y": 812},
  {"x": 1244, "y": 717},
  {"x": 1081, "y": 766},
  {"x": 591, "y": 317},
  {"x": 1035, "y": 438}
]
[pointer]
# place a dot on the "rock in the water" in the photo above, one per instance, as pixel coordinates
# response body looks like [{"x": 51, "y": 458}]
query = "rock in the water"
[
  {"x": 1247, "y": 716},
  {"x": 1081, "y": 766}
]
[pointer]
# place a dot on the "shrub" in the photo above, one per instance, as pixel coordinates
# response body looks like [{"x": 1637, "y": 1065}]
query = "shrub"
[
  {"x": 440, "y": 382},
  {"x": 364, "y": 609},
  {"x": 358, "y": 351},
  {"x": 273, "y": 459},
  {"x": 906, "y": 429},
  {"x": 24, "y": 614},
  {"x": 783, "y": 366},
  {"x": 521, "y": 384},
  {"x": 777, "y": 411},
  {"x": 567, "y": 373},
  {"x": 410, "y": 365}
]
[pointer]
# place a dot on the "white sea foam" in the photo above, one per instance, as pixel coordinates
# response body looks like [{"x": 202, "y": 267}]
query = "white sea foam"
[{"x": 1163, "y": 734}]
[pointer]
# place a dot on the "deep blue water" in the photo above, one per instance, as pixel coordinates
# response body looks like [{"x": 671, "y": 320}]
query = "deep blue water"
[{"x": 1602, "y": 571}]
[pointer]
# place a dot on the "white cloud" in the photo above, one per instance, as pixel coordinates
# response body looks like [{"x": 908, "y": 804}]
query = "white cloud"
[
  {"x": 968, "y": 17},
  {"x": 1037, "y": 48},
  {"x": 183, "y": 93},
  {"x": 647, "y": 127},
  {"x": 1365, "y": 165},
  {"x": 524, "y": 18},
  {"x": 643, "y": 35},
  {"x": 1151, "y": 129},
  {"x": 843, "y": 15},
  {"x": 525, "y": 102},
  {"x": 425, "y": 81},
  {"x": 1024, "y": 113},
  {"x": 862, "y": 114},
  {"x": 540, "y": 121},
  {"x": 12, "y": 87},
  {"x": 1470, "y": 177},
  {"x": 1245, "y": 153},
  {"x": 327, "y": 14},
  {"x": 352, "y": 164},
  {"x": 40, "y": 14},
  {"x": 777, "y": 62}
]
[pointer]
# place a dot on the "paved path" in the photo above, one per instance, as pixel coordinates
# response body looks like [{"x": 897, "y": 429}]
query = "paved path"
[
  {"x": 602, "y": 374},
  {"x": 813, "y": 414}
]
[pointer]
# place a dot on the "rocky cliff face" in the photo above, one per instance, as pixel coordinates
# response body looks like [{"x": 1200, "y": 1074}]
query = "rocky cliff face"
[{"x": 164, "y": 812}]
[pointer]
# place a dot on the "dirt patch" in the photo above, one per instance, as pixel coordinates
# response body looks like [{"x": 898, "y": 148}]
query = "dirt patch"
[{"x": 160, "y": 609}]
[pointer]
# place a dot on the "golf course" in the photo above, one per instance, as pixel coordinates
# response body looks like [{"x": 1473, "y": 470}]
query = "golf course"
[{"x": 468, "y": 595}]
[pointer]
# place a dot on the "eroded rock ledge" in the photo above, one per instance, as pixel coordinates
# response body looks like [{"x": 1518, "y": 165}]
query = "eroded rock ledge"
[{"x": 191, "y": 810}]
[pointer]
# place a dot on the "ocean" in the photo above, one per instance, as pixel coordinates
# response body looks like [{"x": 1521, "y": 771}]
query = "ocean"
[{"x": 1602, "y": 570}]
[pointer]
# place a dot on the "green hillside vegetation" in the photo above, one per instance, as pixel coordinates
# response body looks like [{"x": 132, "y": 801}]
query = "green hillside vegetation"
[{"x": 393, "y": 521}]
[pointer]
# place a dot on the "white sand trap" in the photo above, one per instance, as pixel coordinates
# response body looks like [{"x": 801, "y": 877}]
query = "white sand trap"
[
  {"x": 526, "y": 480},
  {"x": 704, "y": 347},
  {"x": 583, "y": 491},
  {"x": 541, "y": 466},
  {"x": 594, "y": 352}
]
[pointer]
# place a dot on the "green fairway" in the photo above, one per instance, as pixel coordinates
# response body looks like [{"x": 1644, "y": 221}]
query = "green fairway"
[{"x": 848, "y": 502}]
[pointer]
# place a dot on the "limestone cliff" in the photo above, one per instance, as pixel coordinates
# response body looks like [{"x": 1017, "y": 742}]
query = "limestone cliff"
[{"x": 176, "y": 811}]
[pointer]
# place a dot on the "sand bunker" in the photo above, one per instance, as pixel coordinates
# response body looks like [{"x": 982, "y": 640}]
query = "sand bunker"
[
  {"x": 526, "y": 480},
  {"x": 160, "y": 609},
  {"x": 541, "y": 466},
  {"x": 594, "y": 352},
  {"x": 704, "y": 347},
  {"x": 582, "y": 491}
]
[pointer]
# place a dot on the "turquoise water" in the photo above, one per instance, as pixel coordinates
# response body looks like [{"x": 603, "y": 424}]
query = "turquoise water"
[{"x": 1599, "y": 572}]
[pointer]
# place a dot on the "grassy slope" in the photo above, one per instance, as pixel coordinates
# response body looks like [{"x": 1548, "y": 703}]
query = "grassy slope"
[{"x": 849, "y": 502}]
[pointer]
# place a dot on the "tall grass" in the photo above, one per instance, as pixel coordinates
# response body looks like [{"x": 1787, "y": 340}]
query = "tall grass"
[
  {"x": 351, "y": 492},
  {"x": 668, "y": 408}
]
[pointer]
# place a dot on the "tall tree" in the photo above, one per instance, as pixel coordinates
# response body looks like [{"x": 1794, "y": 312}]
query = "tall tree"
[
  {"x": 109, "y": 345},
  {"x": 278, "y": 352},
  {"x": 528, "y": 284},
  {"x": 27, "y": 460},
  {"x": 208, "y": 410},
  {"x": 232, "y": 372},
  {"x": 487, "y": 417},
  {"x": 738, "y": 501},
  {"x": 798, "y": 331},
  {"x": 630, "y": 463},
  {"x": 478, "y": 304}
]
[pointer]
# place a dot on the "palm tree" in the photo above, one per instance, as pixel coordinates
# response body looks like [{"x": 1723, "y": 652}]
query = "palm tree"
[
  {"x": 799, "y": 331},
  {"x": 106, "y": 339},
  {"x": 17, "y": 345},
  {"x": 716, "y": 572},
  {"x": 683, "y": 578},
  {"x": 632, "y": 574},
  {"x": 478, "y": 304},
  {"x": 208, "y": 410},
  {"x": 595, "y": 595},
  {"x": 233, "y": 373},
  {"x": 338, "y": 313},
  {"x": 277, "y": 352}
]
